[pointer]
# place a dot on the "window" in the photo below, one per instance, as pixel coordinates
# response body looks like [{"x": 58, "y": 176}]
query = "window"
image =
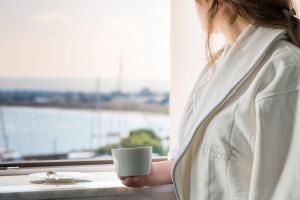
[{"x": 78, "y": 78}]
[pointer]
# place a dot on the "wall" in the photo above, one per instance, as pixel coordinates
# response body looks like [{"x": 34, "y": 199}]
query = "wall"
[
  {"x": 187, "y": 56},
  {"x": 186, "y": 42}
]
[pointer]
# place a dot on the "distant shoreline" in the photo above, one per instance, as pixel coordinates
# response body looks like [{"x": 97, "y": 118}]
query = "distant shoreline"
[{"x": 108, "y": 106}]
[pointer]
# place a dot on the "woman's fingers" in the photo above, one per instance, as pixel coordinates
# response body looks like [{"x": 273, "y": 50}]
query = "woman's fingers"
[
  {"x": 123, "y": 177},
  {"x": 160, "y": 174},
  {"x": 132, "y": 182},
  {"x": 127, "y": 177}
]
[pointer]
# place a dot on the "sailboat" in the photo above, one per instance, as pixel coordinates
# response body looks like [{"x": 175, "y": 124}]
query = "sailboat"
[
  {"x": 2, "y": 129},
  {"x": 117, "y": 134},
  {"x": 5, "y": 153},
  {"x": 97, "y": 129}
]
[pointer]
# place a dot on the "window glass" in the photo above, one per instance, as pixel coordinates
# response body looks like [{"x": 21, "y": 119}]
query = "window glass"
[{"x": 78, "y": 77}]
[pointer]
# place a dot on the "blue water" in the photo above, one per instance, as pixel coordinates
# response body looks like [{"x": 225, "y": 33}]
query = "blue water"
[{"x": 34, "y": 131}]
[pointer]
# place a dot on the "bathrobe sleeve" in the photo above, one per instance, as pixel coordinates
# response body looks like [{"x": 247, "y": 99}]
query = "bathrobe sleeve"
[
  {"x": 276, "y": 159},
  {"x": 172, "y": 154},
  {"x": 203, "y": 79}
]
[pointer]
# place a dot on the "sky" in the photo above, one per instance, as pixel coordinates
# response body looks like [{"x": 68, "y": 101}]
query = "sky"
[{"x": 85, "y": 39}]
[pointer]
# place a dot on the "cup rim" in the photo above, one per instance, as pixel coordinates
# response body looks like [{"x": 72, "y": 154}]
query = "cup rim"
[{"x": 131, "y": 148}]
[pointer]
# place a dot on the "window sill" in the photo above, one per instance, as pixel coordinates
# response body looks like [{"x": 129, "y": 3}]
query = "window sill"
[{"x": 100, "y": 184}]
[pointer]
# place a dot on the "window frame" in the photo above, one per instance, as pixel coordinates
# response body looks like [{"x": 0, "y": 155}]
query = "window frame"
[
  {"x": 55, "y": 163},
  {"x": 15, "y": 164}
]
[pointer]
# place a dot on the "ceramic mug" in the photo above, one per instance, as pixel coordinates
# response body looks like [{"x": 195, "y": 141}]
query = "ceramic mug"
[{"x": 132, "y": 161}]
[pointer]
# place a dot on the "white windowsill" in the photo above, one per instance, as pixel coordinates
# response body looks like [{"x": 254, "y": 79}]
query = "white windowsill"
[{"x": 100, "y": 184}]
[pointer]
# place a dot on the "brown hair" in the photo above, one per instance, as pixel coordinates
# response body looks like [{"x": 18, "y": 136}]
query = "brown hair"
[{"x": 265, "y": 13}]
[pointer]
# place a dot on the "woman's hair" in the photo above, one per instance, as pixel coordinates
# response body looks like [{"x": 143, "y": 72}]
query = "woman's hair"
[{"x": 266, "y": 13}]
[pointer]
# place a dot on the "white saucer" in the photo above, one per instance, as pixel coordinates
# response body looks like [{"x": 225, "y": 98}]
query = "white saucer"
[{"x": 60, "y": 177}]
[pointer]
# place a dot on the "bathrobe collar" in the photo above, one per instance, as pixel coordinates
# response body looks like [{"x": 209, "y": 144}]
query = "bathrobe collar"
[{"x": 235, "y": 66}]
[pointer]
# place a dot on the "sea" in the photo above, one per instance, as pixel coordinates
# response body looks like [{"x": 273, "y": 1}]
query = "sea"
[{"x": 42, "y": 131}]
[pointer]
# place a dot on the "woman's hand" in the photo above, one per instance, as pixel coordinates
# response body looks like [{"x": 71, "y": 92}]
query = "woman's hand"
[{"x": 160, "y": 174}]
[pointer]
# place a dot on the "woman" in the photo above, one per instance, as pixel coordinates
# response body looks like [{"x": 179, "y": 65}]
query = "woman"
[{"x": 240, "y": 133}]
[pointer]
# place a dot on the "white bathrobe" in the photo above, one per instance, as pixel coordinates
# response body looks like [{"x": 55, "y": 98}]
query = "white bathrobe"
[{"x": 240, "y": 132}]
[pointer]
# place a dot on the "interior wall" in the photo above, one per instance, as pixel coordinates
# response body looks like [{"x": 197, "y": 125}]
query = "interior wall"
[
  {"x": 187, "y": 56},
  {"x": 187, "y": 41}
]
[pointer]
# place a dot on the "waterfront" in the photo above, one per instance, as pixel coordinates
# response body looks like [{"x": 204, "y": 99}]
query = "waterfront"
[{"x": 38, "y": 131}]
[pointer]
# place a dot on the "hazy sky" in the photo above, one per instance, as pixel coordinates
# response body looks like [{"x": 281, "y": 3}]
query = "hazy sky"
[{"x": 85, "y": 38}]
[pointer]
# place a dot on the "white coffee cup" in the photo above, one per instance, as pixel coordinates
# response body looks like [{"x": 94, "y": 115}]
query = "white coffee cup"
[{"x": 132, "y": 161}]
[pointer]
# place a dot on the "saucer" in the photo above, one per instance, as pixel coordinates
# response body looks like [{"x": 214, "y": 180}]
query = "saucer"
[{"x": 59, "y": 177}]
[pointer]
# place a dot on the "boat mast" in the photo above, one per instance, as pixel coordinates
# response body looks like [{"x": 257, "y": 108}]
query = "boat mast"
[
  {"x": 120, "y": 73},
  {"x": 120, "y": 78},
  {"x": 98, "y": 130},
  {"x": 2, "y": 129},
  {"x": 96, "y": 126},
  {"x": 119, "y": 90}
]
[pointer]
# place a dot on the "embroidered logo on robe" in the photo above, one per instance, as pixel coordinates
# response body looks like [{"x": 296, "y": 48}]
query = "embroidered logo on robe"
[{"x": 218, "y": 152}]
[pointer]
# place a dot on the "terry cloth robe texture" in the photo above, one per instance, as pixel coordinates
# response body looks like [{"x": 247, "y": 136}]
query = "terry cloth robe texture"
[{"x": 240, "y": 131}]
